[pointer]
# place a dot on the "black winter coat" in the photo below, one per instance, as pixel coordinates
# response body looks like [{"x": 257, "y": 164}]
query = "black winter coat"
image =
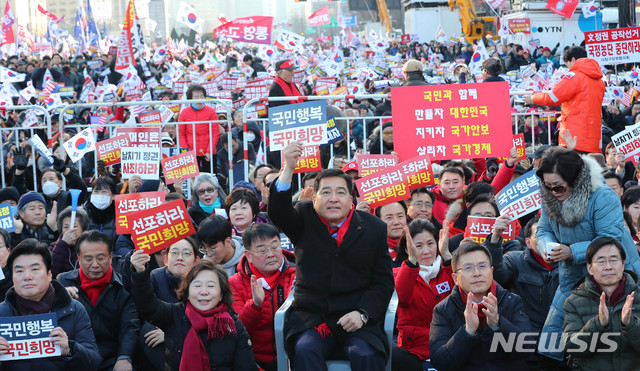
[
  {"x": 332, "y": 281},
  {"x": 453, "y": 348},
  {"x": 114, "y": 319},
  {"x": 230, "y": 353}
]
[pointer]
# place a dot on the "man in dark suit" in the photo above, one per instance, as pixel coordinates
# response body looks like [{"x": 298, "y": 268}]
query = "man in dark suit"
[{"x": 344, "y": 279}]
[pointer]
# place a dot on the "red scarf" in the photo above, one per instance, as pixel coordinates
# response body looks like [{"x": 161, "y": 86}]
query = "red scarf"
[
  {"x": 217, "y": 322},
  {"x": 539, "y": 259},
  {"x": 289, "y": 89},
  {"x": 392, "y": 247},
  {"x": 271, "y": 280},
  {"x": 343, "y": 228},
  {"x": 481, "y": 314},
  {"x": 616, "y": 295},
  {"x": 93, "y": 289}
]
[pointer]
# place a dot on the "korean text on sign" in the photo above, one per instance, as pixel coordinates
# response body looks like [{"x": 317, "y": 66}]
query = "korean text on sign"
[
  {"x": 417, "y": 172},
  {"x": 157, "y": 228},
  {"x": 6, "y": 219},
  {"x": 627, "y": 142},
  {"x": 309, "y": 161},
  {"x": 333, "y": 131},
  {"x": 28, "y": 336},
  {"x": 479, "y": 228},
  {"x": 520, "y": 197},
  {"x": 369, "y": 164},
  {"x": 109, "y": 150},
  {"x": 182, "y": 165},
  {"x": 305, "y": 122},
  {"x": 383, "y": 187},
  {"x": 141, "y": 137},
  {"x": 141, "y": 161},
  {"x": 621, "y": 45},
  {"x": 130, "y": 203},
  {"x": 452, "y": 121}
]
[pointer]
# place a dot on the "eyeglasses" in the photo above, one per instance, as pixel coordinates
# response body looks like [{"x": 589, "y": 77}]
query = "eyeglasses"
[
  {"x": 387, "y": 134},
  {"x": 268, "y": 185},
  {"x": 202, "y": 192},
  {"x": 603, "y": 262},
  {"x": 555, "y": 189},
  {"x": 420, "y": 205},
  {"x": 89, "y": 259},
  {"x": 207, "y": 251},
  {"x": 468, "y": 269},
  {"x": 264, "y": 252},
  {"x": 185, "y": 254}
]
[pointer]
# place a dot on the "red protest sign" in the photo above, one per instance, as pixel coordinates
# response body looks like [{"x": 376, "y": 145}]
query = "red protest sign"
[
  {"x": 256, "y": 29},
  {"x": 383, "y": 187},
  {"x": 417, "y": 172},
  {"x": 614, "y": 46},
  {"x": 369, "y": 164},
  {"x": 142, "y": 137},
  {"x": 160, "y": 227},
  {"x": 319, "y": 17},
  {"x": 182, "y": 165},
  {"x": 405, "y": 39},
  {"x": 479, "y": 228},
  {"x": 130, "y": 203},
  {"x": 518, "y": 142},
  {"x": 109, "y": 150},
  {"x": 309, "y": 161},
  {"x": 520, "y": 25},
  {"x": 456, "y": 121},
  {"x": 150, "y": 117}
]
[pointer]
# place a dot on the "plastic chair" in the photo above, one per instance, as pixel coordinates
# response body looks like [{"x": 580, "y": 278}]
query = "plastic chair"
[{"x": 332, "y": 365}]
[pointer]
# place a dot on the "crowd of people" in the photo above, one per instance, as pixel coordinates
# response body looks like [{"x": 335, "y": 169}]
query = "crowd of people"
[{"x": 208, "y": 301}]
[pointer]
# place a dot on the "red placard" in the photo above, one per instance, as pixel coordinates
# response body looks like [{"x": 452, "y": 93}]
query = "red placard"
[
  {"x": 458, "y": 121},
  {"x": 564, "y": 8},
  {"x": 309, "y": 161},
  {"x": 417, "y": 172},
  {"x": 369, "y": 164},
  {"x": 130, "y": 203},
  {"x": 182, "y": 165},
  {"x": 405, "y": 39},
  {"x": 109, "y": 150},
  {"x": 150, "y": 117},
  {"x": 383, "y": 187},
  {"x": 620, "y": 45},
  {"x": 518, "y": 142},
  {"x": 160, "y": 227},
  {"x": 256, "y": 29},
  {"x": 319, "y": 17},
  {"x": 142, "y": 137},
  {"x": 479, "y": 228},
  {"x": 520, "y": 25}
]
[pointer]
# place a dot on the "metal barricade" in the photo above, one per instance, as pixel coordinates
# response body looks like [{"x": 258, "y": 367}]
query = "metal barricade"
[
  {"x": 212, "y": 142},
  {"x": 15, "y": 130},
  {"x": 309, "y": 98}
]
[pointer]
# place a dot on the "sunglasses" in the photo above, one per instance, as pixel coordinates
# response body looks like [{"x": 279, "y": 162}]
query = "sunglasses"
[{"x": 556, "y": 189}]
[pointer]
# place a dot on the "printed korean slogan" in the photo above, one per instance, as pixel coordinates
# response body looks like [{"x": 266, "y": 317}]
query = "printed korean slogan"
[
  {"x": 620, "y": 45},
  {"x": 130, "y": 203},
  {"x": 182, "y": 165},
  {"x": 141, "y": 161},
  {"x": 154, "y": 229},
  {"x": 109, "y": 150},
  {"x": 456, "y": 121},
  {"x": 627, "y": 142},
  {"x": 28, "y": 336},
  {"x": 6, "y": 219},
  {"x": 305, "y": 122},
  {"x": 479, "y": 228},
  {"x": 369, "y": 164},
  {"x": 520, "y": 197},
  {"x": 383, "y": 187}
]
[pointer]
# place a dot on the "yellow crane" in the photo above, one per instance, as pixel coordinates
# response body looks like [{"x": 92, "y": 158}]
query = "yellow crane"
[
  {"x": 474, "y": 18},
  {"x": 383, "y": 12}
]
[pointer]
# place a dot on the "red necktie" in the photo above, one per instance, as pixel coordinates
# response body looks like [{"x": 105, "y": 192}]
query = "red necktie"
[{"x": 333, "y": 230}]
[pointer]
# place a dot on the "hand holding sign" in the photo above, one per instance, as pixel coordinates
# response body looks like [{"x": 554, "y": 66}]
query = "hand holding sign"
[
  {"x": 291, "y": 154},
  {"x": 139, "y": 260},
  {"x": 501, "y": 225}
]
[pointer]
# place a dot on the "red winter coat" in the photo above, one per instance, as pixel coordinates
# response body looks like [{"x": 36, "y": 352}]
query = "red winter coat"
[
  {"x": 440, "y": 204},
  {"x": 203, "y": 136},
  {"x": 259, "y": 320},
  {"x": 416, "y": 300},
  {"x": 580, "y": 92}
]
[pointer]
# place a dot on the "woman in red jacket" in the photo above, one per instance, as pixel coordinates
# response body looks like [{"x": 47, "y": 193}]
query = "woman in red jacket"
[
  {"x": 204, "y": 132},
  {"x": 422, "y": 281}
]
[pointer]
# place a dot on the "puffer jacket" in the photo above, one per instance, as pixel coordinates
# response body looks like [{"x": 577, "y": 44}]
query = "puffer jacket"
[
  {"x": 580, "y": 92},
  {"x": 206, "y": 134},
  {"x": 582, "y": 309},
  {"x": 453, "y": 348},
  {"x": 416, "y": 300},
  {"x": 592, "y": 210},
  {"x": 259, "y": 320},
  {"x": 440, "y": 204}
]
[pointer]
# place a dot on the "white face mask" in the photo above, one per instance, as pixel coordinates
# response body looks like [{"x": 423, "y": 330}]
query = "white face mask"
[
  {"x": 50, "y": 188},
  {"x": 101, "y": 202},
  {"x": 250, "y": 136}
]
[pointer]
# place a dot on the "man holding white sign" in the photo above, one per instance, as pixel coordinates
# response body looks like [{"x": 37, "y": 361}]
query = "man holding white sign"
[{"x": 34, "y": 292}]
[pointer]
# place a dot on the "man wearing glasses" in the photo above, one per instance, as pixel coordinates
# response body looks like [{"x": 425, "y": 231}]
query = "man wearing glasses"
[
  {"x": 464, "y": 324},
  {"x": 218, "y": 244},
  {"x": 604, "y": 304},
  {"x": 262, "y": 284}
]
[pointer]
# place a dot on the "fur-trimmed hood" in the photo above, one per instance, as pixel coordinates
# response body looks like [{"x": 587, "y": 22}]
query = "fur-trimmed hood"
[{"x": 573, "y": 209}]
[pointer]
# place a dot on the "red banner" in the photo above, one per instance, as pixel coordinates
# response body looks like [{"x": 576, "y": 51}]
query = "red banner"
[
  {"x": 518, "y": 142},
  {"x": 309, "y": 161},
  {"x": 130, "y": 203},
  {"x": 255, "y": 29},
  {"x": 369, "y": 164},
  {"x": 320, "y": 16},
  {"x": 150, "y": 117},
  {"x": 564, "y": 8},
  {"x": 142, "y": 137},
  {"x": 405, "y": 39},
  {"x": 479, "y": 228},
  {"x": 383, "y": 187},
  {"x": 109, "y": 150},
  {"x": 417, "y": 172},
  {"x": 458, "y": 121},
  {"x": 125, "y": 57},
  {"x": 182, "y": 165},
  {"x": 617, "y": 46},
  {"x": 160, "y": 227},
  {"x": 520, "y": 25},
  {"x": 49, "y": 14}
]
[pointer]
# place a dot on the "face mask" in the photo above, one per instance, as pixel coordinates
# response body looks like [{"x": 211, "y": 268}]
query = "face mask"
[
  {"x": 101, "y": 202},
  {"x": 250, "y": 137},
  {"x": 50, "y": 188}
]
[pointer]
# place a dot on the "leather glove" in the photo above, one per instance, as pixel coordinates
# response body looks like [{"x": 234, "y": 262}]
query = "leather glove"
[{"x": 19, "y": 159}]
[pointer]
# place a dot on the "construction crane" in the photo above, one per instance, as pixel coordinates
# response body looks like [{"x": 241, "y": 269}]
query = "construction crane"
[
  {"x": 474, "y": 17},
  {"x": 383, "y": 13}
]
